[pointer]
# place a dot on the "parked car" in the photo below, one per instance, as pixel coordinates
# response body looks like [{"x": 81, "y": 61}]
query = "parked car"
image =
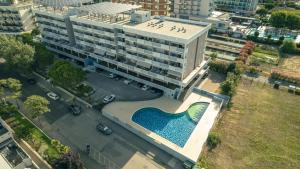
[
  {"x": 75, "y": 110},
  {"x": 111, "y": 75},
  {"x": 103, "y": 129},
  {"x": 205, "y": 75},
  {"x": 117, "y": 78},
  {"x": 109, "y": 98},
  {"x": 145, "y": 87},
  {"x": 127, "y": 81},
  {"x": 188, "y": 165},
  {"x": 31, "y": 81},
  {"x": 53, "y": 95}
]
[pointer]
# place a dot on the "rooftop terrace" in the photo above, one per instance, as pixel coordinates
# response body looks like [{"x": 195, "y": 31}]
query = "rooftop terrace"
[{"x": 170, "y": 27}]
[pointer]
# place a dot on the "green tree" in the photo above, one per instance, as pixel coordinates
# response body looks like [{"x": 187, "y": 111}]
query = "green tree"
[
  {"x": 269, "y": 6},
  {"x": 213, "y": 56},
  {"x": 35, "y": 32},
  {"x": 262, "y": 12},
  {"x": 292, "y": 21},
  {"x": 288, "y": 46},
  {"x": 256, "y": 34},
  {"x": 278, "y": 19},
  {"x": 18, "y": 56},
  {"x": 36, "y": 106},
  {"x": 13, "y": 88},
  {"x": 43, "y": 57},
  {"x": 70, "y": 160},
  {"x": 66, "y": 75}
]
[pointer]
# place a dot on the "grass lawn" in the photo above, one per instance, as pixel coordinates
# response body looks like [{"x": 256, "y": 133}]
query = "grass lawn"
[
  {"x": 291, "y": 64},
  {"x": 265, "y": 55},
  {"x": 261, "y": 130}
]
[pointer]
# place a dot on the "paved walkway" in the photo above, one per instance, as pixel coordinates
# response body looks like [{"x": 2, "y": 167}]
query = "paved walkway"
[{"x": 122, "y": 113}]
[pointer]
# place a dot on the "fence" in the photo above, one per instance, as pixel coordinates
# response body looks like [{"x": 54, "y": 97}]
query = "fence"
[{"x": 101, "y": 158}]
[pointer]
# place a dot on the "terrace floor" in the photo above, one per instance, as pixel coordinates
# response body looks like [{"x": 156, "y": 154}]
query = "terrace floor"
[{"x": 122, "y": 112}]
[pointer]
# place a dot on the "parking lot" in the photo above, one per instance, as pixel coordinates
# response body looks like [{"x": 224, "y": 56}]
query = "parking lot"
[{"x": 104, "y": 85}]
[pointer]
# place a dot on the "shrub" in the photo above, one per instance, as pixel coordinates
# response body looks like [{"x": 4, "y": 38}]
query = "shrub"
[
  {"x": 246, "y": 51},
  {"x": 213, "y": 56},
  {"x": 253, "y": 70},
  {"x": 213, "y": 140},
  {"x": 297, "y": 91},
  {"x": 219, "y": 66},
  {"x": 288, "y": 46},
  {"x": 229, "y": 85}
]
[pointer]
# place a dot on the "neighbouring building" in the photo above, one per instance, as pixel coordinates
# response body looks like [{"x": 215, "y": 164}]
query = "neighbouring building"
[
  {"x": 190, "y": 9},
  {"x": 157, "y": 7},
  {"x": 12, "y": 156},
  {"x": 241, "y": 7},
  {"x": 16, "y": 16},
  {"x": 162, "y": 52}
]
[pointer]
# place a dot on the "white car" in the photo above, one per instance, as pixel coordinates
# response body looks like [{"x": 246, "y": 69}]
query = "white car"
[
  {"x": 109, "y": 98},
  {"x": 53, "y": 95},
  {"x": 111, "y": 75},
  {"x": 145, "y": 87},
  {"x": 127, "y": 81}
]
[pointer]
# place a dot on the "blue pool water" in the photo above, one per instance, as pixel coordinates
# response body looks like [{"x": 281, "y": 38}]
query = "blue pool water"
[{"x": 175, "y": 128}]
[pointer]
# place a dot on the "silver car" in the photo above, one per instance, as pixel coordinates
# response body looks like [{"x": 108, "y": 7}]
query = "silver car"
[
  {"x": 53, "y": 95},
  {"x": 109, "y": 98}
]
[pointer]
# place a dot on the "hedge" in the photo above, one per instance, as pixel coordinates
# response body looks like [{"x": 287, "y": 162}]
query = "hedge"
[
  {"x": 281, "y": 75},
  {"x": 219, "y": 66}
]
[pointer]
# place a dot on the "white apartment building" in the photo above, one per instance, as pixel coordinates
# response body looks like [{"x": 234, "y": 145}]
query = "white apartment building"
[
  {"x": 242, "y": 7},
  {"x": 189, "y": 9},
  {"x": 162, "y": 52},
  {"x": 16, "y": 17}
]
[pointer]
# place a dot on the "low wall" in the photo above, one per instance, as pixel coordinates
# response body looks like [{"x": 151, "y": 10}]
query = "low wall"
[{"x": 225, "y": 98}]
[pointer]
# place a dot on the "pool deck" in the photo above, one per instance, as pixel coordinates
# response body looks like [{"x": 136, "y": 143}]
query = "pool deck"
[{"x": 122, "y": 112}]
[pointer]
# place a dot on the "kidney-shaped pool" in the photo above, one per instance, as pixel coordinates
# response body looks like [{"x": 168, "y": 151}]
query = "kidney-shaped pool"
[{"x": 176, "y": 128}]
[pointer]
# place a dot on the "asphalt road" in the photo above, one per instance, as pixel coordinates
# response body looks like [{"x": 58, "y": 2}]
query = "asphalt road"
[
  {"x": 122, "y": 147},
  {"x": 58, "y": 108}
]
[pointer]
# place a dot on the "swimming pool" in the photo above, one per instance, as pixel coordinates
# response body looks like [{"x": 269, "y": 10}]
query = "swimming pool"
[{"x": 176, "y": 128}]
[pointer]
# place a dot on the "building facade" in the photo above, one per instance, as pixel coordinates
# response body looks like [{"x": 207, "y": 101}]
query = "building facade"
[
  {"x": 162, "y": 52},
  {"x": 157, "y": 7},
  {"x": 242, "y": 7},
  {"x": 16, "y": 17},
  {"x": 188, "y": 9}
]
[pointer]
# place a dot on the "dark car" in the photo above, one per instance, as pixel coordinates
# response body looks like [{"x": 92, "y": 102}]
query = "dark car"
[
  {"x": 76, "y": 110},
  {"x": 103, "y": 129},
  {"x": 31, "y": 81}
]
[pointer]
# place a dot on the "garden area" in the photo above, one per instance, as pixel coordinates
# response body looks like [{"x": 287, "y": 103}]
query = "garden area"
[
  {"x": 49, "y": 149},
  {"x": 264, "y": 58},
  {"x": 288, "y": 70},
  {"x": 260, "y": 130},
  {"x": 264, "y": 54}
]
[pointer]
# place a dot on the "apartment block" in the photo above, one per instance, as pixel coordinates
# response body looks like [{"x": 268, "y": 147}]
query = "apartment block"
[
  {"x": 16, "y": 16},
  {"x": 162, "y": 52},
  {"x": 242, "y": 7},
  {"x": 157, "y": 7},
  {"x": 188, "y": 9},
  {"x": 12, "y": 156}
]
